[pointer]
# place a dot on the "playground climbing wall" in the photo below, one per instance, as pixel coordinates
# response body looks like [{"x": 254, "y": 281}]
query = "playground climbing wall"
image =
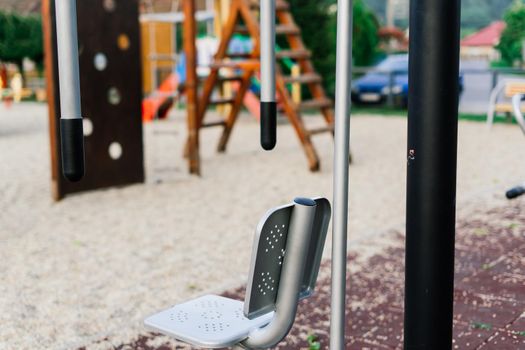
[{"x": 110, "y": 81}]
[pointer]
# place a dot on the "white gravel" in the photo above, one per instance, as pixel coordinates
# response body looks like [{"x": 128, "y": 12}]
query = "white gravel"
[{"x": 97, "y": 263}]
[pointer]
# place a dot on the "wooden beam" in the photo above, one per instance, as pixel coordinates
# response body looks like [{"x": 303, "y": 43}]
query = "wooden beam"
[
  {"x": 48, "y": 16},
  {"x": 190, "y": 49}
]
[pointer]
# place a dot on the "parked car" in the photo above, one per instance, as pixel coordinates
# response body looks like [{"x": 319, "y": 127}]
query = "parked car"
[{"x": 374, "y": 86}]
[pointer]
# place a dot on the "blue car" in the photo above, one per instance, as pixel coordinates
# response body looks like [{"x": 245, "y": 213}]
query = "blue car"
[{"x": 374, "y": 86}]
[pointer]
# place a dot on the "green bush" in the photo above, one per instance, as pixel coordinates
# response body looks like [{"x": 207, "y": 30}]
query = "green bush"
[
  {"x": 366, "y": 39},
  {"x": 318, "y": 22},
  {"x": 510, "y": 45},
  {"x": 20, "y": 38},
  {"x": 315, "y": 21}
]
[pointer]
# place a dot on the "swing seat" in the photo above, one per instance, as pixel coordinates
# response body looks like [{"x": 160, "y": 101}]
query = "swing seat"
[{"x": 216, "y": 322}]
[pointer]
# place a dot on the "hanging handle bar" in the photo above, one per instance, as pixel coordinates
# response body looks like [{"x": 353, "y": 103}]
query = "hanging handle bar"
[
  {"x": 268, "y": 104},
  {"x": 71, "y": 129}
]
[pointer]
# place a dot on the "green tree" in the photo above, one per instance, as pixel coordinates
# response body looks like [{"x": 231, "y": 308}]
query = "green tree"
[
  {"x": 315, "y": 20},
  {"x": 511, "y": 42},
  {"x": 318, "y": 22},
  {"x": 20, "y": 38},
  {"x": 365, "y": 34}
]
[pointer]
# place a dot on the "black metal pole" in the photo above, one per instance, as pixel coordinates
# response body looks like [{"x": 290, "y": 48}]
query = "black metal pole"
[{"x": 431, "y": 181}]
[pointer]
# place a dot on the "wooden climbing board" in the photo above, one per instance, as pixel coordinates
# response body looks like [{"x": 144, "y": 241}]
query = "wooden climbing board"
[
  {"x": 243, "y": 19},
  {"x": 111, "y": 87}
]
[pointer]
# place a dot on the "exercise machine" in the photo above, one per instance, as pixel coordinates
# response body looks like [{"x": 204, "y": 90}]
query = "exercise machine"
[
  {"x": 289, "y": 239},
  {"x": 286, "y": 256},
  {"x": 288, "y": 242},
  {"x": 516, "y": 105}
]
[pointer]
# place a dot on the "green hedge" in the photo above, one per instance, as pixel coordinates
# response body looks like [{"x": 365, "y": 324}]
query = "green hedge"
[
  {"x": 318, "y": 22},
  {"x": 20, "y": 38},
  {"x": 512, "y": 38}
]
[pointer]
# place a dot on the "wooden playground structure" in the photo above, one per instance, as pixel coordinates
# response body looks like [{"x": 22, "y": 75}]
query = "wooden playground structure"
[
  {"x": 243, "y": 18},
  {"x": 112, "y": 82}
]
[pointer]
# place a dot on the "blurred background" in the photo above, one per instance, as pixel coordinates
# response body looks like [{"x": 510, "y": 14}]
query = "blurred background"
[
  {"x": 176, "y": 181},
  {"x": 491, "y": 43}
]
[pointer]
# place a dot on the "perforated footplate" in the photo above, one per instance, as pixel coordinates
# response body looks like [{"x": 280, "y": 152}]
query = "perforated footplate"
[{"x": 210, "y": 321}]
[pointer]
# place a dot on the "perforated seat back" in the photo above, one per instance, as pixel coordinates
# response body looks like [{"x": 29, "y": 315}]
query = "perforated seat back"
[{"x": 268, "y": 253}]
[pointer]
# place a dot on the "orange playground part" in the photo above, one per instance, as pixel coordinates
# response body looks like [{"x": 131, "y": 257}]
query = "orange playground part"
[
  {"x": 252, "y": 103},
  {"x": 151, "y": 105}
]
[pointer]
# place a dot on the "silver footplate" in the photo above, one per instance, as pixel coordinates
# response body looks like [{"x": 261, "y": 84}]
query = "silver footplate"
[{"x": 210, "y": 321}]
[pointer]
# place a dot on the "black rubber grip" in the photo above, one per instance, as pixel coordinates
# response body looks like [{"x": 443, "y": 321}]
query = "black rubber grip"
[
  {"x": 515, "y": 192},
  {"x": 72, "y": 137},
  {"x": 268, "y": 125}
]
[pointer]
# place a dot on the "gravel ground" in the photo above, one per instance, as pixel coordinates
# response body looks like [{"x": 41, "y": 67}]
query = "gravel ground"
[{"x": 92, "y": 266}]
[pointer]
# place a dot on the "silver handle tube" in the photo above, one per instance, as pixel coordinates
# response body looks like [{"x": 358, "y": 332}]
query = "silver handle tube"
[
  {"x": 268, "y": 104},
  {"x": 516, "y": 103},
  {"x": 71, "y": 129},
  {"x": 292, "y": 273},
  {"x": 342, "y": 153},
  {"x": 67, "y": 44}
]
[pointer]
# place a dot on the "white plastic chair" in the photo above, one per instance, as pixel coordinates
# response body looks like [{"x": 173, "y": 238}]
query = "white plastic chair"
[{"x": 500, "y": 88}]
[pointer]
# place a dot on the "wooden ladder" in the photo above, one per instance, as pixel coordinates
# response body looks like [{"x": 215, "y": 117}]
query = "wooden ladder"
[{"x": 243, "y": 19}]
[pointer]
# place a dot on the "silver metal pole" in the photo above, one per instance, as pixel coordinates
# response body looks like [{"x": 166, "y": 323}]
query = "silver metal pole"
[
  {"x": 341, "y": 163},
  {"x": 268, "y": 50},
  {"x": 67, "y": 44},
  {"x": 268, "y": 105},
  {"x": 71, "y": 129}
]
